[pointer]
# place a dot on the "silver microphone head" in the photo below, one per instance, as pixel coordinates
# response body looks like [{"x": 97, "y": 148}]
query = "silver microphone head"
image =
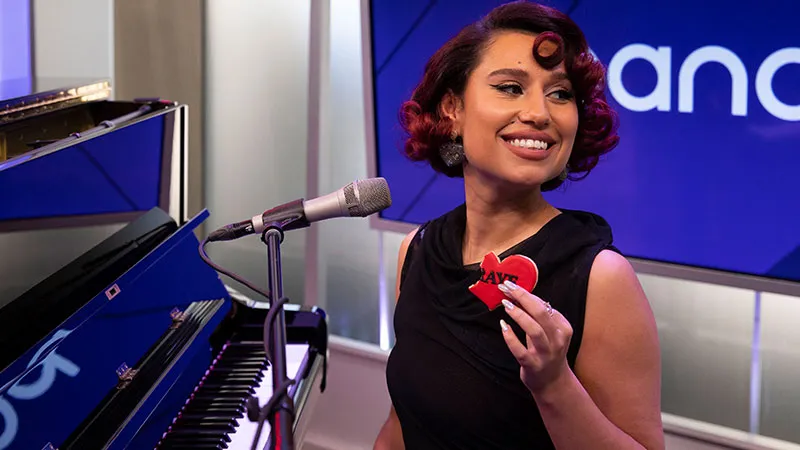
[{"x": 366, "y": 197}]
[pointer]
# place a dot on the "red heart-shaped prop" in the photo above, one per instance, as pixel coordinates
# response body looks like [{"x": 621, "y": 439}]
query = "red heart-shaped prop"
[{"x": 518, "y": 268}]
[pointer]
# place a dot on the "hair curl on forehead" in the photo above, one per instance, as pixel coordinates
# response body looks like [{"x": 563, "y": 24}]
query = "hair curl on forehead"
[
  {"x": 548, "y": 50},
  {"x": 558, "y": 40}
]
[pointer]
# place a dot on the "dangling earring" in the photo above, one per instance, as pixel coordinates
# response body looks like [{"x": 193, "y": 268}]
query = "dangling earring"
[{"x": 452, "y": 153}]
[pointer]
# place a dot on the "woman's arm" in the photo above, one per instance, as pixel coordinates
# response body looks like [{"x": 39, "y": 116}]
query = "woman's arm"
[
  {"x": 390, "y": 436},
  {"x": 612, "y": 400}
]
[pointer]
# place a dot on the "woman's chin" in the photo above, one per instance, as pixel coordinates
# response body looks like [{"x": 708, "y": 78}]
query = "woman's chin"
[
  {"x": 517, "y": 179},
  {"x": 527, "y": 177}
]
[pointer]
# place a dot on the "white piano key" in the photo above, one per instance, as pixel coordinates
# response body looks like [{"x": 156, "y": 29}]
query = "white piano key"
[{"x": 242, "y": 438}]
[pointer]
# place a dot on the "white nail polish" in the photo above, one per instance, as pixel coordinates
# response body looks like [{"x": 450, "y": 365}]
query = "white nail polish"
[
  {"x": 510, "y": 285},
  {"x": 503, "y": 289},
  {"x": 503, "y": 325},
  {"x": 508, "y": 304}
]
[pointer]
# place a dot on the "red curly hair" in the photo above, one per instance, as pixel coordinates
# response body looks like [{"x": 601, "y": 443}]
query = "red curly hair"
[{"x": 450, "y": 67}]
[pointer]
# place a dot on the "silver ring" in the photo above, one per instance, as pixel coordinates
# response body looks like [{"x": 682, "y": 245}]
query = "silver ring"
[{"x": 549, "y": 308}]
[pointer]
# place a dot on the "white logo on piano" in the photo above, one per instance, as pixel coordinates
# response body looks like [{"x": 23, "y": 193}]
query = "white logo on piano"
[{"x": 20, "y": 390}]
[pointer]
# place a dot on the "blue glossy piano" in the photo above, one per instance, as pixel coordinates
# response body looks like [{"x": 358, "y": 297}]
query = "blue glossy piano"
[{"x": 114, "y": 333}]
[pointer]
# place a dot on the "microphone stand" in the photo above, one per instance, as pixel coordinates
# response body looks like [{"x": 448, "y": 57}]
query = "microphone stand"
[{"x": 281, "y": 417}]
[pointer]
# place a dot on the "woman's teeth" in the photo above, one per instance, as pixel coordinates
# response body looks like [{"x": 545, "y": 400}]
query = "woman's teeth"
[{"x": 528, "y": 143}]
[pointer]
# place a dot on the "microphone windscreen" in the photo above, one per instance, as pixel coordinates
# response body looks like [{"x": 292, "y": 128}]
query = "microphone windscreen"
[{"x": 366, "y": 197}]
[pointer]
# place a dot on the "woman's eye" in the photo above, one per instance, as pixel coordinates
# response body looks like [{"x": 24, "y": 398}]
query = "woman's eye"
[
  {"x": 563, "y": 94},
  {"x": 509, "y": 88}
]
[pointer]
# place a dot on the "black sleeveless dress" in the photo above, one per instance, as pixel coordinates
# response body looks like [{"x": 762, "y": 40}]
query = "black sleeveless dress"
[{"x": 453, "y": 382}]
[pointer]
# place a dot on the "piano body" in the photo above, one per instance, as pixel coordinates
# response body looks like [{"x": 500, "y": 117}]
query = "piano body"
[{"x": 113, "y": 331}]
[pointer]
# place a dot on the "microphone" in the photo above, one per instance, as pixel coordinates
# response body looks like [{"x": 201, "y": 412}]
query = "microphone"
[{"x": 360, "y": 198}]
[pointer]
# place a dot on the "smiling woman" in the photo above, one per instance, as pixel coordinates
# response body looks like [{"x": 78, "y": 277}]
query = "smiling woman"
[{"x": 514, "y": 104}]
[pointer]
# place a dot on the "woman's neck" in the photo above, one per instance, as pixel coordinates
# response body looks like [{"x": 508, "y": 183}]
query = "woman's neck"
[{"x": 498, "y": 219}]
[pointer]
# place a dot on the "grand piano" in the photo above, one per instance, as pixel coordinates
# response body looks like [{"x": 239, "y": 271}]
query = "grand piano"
[{"x": 114, "y": 333}]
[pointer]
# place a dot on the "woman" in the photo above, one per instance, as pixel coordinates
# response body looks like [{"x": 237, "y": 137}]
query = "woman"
[{"x": 515, "y": 105}]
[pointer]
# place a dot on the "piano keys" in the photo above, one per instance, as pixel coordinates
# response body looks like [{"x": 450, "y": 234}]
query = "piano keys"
[{"x": 215, "y": 414}]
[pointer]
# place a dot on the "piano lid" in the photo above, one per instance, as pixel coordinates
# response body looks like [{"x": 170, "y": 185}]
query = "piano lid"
[
  {"x": 21, "y": 98},
  {"x": 76, "y": 175},
  {"x": 93, "y": 163}
]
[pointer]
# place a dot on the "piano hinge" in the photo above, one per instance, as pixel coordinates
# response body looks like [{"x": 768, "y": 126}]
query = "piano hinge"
[
  {"x": 177, "y": 318},
  {"x": 112, "y": 292},
  {"x": 125, "y": 375}
]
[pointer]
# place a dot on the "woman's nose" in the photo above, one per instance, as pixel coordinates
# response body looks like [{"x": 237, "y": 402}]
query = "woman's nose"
[{"x": 536, "y": 112}]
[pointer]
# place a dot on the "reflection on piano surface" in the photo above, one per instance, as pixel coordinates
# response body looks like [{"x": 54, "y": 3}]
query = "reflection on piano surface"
[{"x": 135, "y": 343}]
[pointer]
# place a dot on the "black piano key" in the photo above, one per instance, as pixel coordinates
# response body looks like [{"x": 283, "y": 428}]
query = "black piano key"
[
  {"x": 204, "y": 416},
  {"x": 222, "y": 372},
  {"x": 233, "y": 413},
  {"x": 227, "y": 403},
  {"x": 193, "y": 442},
  {"x": 224, "y": 428},
  {"x": 221, "y": 428},
  {"x": 221, "y": 397},
  {"x": 209, "y": 420},
  {"x": 232, "y": 355},
  {"x": 234, "y": 369},
  {"x": 241, "y": 352},
  {"x": 223, "y": 383},
  {"x": 243, "y": 365},
  {"x": 198, "y": 432},
  {"x": 188, "y": 445},
  {"x": 233, "y": 380},
  {"x": 221, "y": 404},
  {"x": 218, "y": 402},
  {"x": 211, "y": 403},
  {"x": 225, "y": 391},
  {"x": 226, "y": 387},
  {"x": 238, "y": 379},
  {"x": 256, "y": 356},
  {"x": 242, "y": 357},
  {"x": 214, "y": 409},
  {"x": 186, "y": 442},
  {"x": 245, "y": 347},
  {"x": 211, "y": 408},
  {"x": 235, "y": 373}
]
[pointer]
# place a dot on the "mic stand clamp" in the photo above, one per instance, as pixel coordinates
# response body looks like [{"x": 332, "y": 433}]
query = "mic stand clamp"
[{"x": 279, "y": 410}]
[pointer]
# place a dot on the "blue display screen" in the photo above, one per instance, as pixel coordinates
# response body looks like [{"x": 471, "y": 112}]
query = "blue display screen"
[{"x": 706, "y": 170}]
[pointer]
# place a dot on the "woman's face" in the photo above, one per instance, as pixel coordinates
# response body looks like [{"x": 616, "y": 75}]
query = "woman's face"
[{"x": 517, "y": 120}]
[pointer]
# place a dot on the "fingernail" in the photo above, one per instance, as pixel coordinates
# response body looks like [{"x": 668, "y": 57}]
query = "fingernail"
[
  {"x": 503, "y": 325},
  {"x": 511, "y": 285},
  {"x": 508, "y": 304},
  {"x": 503, "y": 289}
]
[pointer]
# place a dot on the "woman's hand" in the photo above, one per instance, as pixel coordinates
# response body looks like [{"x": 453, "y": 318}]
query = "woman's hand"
[{"x": 544, "y": 359}]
